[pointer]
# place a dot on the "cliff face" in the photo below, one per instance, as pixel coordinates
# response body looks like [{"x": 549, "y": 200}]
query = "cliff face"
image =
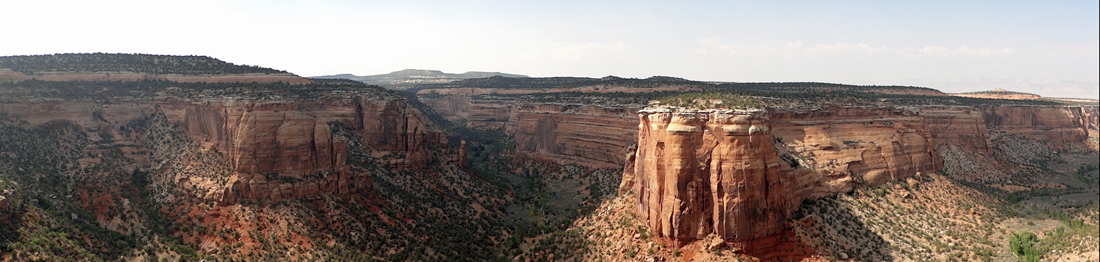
[
  {"x": 294, "y": 137},
  {"x": 1090, "y": 118},
  {"x": 964, "y": 127},
  {"x": 703, "y": 172},
  {"x": 593, "y": 136},
  {"x": 1060, "y": 127},
  {"x": 269, "y": 149},
  {"x": 876, "y": 144}
]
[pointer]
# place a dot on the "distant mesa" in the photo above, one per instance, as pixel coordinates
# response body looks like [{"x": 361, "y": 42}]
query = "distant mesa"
[
  {"x": 134, "y": 67},
  {"x": 999, "y": 93},
  {"x": 409, "y": 78}
]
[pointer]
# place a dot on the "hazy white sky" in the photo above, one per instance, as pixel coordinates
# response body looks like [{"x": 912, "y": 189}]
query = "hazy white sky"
[{"x": 1047, "y": 47}]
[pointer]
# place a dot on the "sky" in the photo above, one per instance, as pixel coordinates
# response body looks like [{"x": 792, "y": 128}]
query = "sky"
[{"x": 1051, "y": 48}]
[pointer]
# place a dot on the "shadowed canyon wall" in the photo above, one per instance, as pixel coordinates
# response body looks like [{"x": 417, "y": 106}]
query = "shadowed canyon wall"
[{"x": 591, "y": 135}]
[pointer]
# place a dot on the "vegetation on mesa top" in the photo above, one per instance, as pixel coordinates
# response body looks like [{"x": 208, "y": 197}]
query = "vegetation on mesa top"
[
  {"x": 137, "y": 63},
  {"x": 711, "y": 100},
  {"x": 999, "y": 91},
  {"x": 500, "y": 82},
  {"x": 770, "y": 95},
  {"x": 151, "y": 88},
  {"x": 822, "y": 87}
]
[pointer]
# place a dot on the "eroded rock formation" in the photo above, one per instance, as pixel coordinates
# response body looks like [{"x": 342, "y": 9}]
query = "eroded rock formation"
[
  {"x": 738, "y": 174},
  {"x": 875, "y": 144},
  {"x": 717, "y": 171},
  {"x": 589, "y": 135},
  {"x": 271, "y": 149}
]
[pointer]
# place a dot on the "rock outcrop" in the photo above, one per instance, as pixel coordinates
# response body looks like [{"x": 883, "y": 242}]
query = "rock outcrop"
[
  {"x": 715, "y": 171},
  {"x": 568, "y": 133},
  {"x": 738, "y": 174},
  {"x": 588, "y": 135},
  {"x": 1059, "y": 126},
  {"x": 876, "y": 144}
]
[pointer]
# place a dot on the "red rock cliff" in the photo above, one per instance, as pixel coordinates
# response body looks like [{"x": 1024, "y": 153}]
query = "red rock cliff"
[
  {"x": 703, "y": 172},
  {"x": 876, "y": 143},
  {"x": 1058, "y": 126},
  {"x": 256, "y": 138},
  {"x": 593, "y": 136}
]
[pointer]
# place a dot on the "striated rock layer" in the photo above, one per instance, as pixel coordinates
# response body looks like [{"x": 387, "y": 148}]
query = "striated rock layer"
[
  {"x": 876, "y": 144},
  {"x": 273, "y": 149},
  {"x": 1058, "y": 126},
  {"x": 593, "y": 136},
  {"x": 704, "y": 172},
  {"x": 590, "y": 135}
]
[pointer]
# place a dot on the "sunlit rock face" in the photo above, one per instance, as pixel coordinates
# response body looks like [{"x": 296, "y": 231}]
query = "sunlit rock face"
[
  {"x": 1059, "y": 126},
  {"x": 875, "y": 143},
  {"x": 716, "y": 171},
  {"x": 739, "y": 174}
]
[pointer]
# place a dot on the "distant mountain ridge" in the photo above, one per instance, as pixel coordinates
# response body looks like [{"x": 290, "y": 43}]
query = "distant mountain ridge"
[{"x": 409, "y": 78}]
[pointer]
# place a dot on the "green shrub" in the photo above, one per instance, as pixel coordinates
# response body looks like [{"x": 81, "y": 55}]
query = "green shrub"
[{"x": 1023, "y": 245}]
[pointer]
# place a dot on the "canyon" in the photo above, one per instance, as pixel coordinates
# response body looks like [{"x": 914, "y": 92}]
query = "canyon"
[{"x": 275, "y": 166}]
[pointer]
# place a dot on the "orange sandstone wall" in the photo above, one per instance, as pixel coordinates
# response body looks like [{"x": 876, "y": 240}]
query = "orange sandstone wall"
[
  {"x": 964, "y": 127},
  {"x": 1059, "y": 126},
  {"x": 739, "y": 174},
  {"x": 876, "y": 143},
  {"x": 703, "y": 172},
  {"x": 593, "y": 136},
  {"x": 257, "y": 138}
]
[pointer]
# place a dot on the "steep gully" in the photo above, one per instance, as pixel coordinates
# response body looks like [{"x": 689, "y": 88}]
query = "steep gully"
[{"x": 739, "y": 174}]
